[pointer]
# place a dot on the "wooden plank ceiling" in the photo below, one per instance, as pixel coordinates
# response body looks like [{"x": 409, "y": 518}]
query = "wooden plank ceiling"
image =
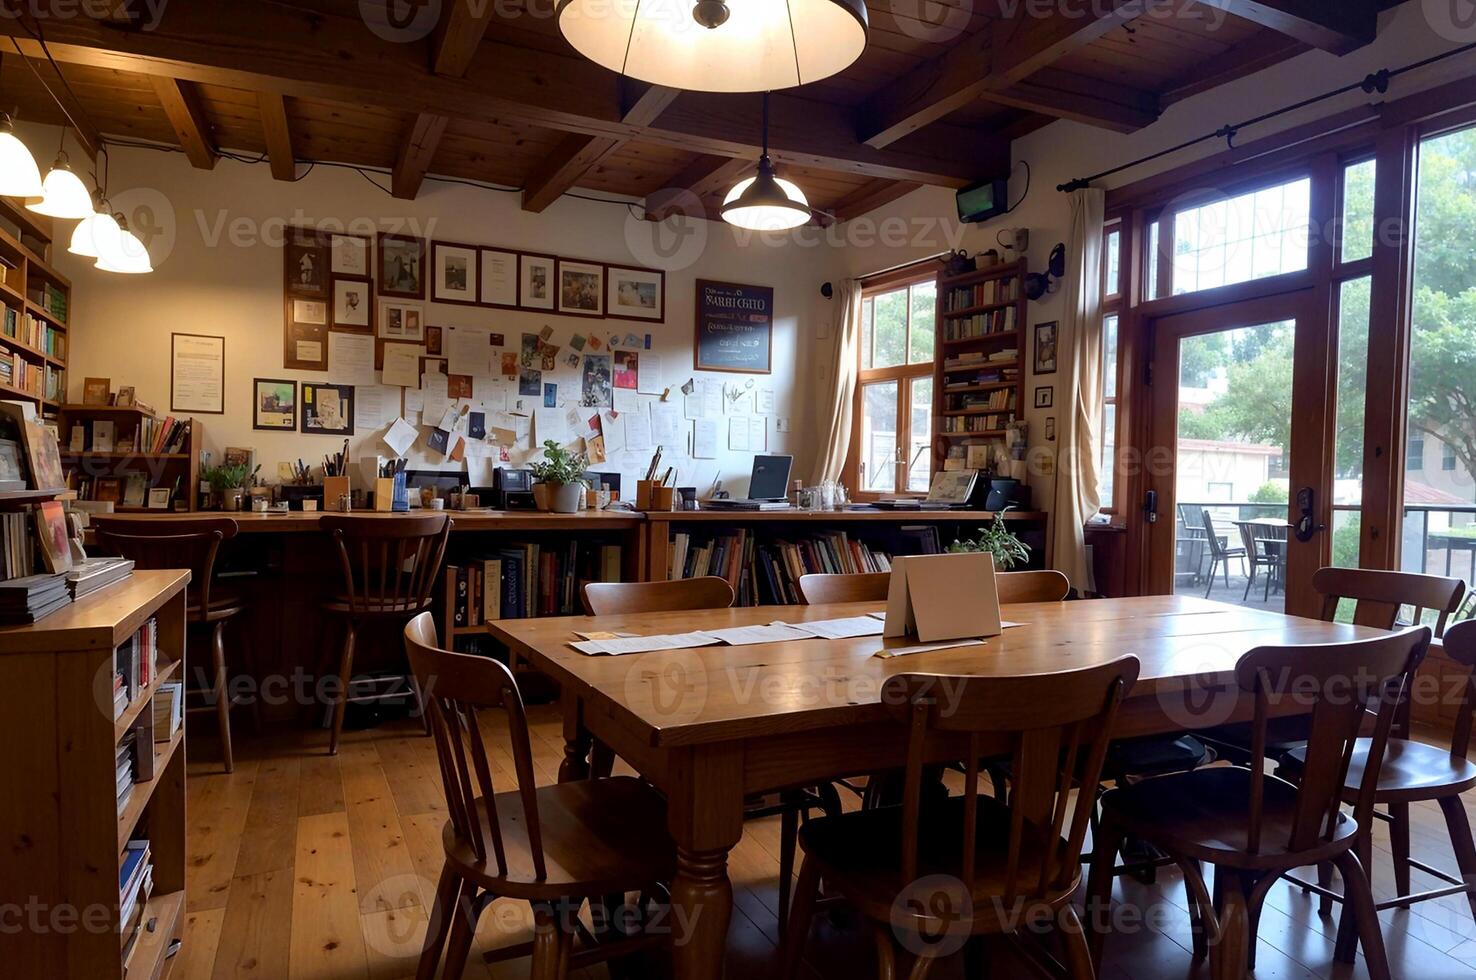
[{"x": 494, "y": 94}]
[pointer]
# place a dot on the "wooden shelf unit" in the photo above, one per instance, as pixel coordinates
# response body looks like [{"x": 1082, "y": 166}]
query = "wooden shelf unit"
[
  {"x": 56, "y": 714},
  {"x": 24, "y": 257},
  {"x": 945, "y": 405},
  {"x": 163, "y": 469}
]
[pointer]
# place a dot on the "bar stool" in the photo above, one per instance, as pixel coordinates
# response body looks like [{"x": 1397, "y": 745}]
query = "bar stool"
[
  {"x": 389, "y": 565},
  {"x": 194, "y": 544}
]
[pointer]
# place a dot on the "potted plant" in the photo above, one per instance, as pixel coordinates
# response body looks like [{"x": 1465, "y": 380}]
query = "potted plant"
[
  {"x": 998, "y": 540},
  {"x": 229, "y": 482},
  {"x": 562, "y": 472}
]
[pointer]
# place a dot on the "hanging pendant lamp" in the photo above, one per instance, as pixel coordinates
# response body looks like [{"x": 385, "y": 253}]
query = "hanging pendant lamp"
[
  {"x": 717, "y": 46},
  {"x": 63, "y": 195},
  {"x": 19, "y": 175},
  {"x": 124, "y": 253},
  {"x": 766, "y": 202},
  {"x": 96, "y": 234}
]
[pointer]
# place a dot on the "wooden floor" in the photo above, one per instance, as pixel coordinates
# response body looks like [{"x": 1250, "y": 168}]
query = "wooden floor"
[{"x": 304, "y": 866}]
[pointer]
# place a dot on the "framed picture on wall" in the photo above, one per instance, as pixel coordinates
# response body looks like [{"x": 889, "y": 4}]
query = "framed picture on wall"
[
  {"x": 404, "y": 322},
  {"x": 349, "y": 256},
  {"x": 456, "y": 275},
  {"x": 1045, "y": 397},
  {"x": 353, "y": 305},
  {"x": 635, "y": 294},
  {"x": 327, "y": 410},
  {"x": 536, "y": 281},
  {"x": 196, "y": 373},
  {"x": 306, "y": 260},
  {"x": 498, "y": 278},
  {"x": 274, "y": 405},
  {"x": 1046, "y": 337},
  {"x": 581, "y": 288},
  {"x": 401, "y": 266}
]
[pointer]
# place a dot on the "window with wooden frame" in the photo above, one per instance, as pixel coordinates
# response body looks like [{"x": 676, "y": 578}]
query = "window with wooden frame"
[
  {"x": 1112, "y": 297},
  {"x": 892, "y": 438}
]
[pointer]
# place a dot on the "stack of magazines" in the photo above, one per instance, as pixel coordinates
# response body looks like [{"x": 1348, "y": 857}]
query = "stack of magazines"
[
  {"x": 91, "y": 574},
  {"x": 25, "y": 600}
]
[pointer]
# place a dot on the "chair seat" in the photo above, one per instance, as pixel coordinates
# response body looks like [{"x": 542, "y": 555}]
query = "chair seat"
[
  {"x": 1282, "y": 735},
  {"x": 1204, "y": 815},
  {"x": 1153, "y": 755},
  {"x": 225, "y": 602},
  {"x": 1411, "y": 771},
  {"x": 599, "y": 836},
  {"x": 339, "y": 605},
  {"x": 859, "y": 855}
]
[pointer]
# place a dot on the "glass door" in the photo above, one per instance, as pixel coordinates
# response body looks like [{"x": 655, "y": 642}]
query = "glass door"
[{"x": 1239, "y": 474}]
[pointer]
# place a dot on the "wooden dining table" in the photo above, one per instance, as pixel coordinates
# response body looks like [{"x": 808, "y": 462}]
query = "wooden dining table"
[{"x": 711, "y": 725}]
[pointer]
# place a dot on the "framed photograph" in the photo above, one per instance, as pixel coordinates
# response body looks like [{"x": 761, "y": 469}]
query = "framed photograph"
[
  {"x": 197, "y": 373},
  {"x": 353, "y": 305},
  {"x": 401, "y": 266},
  {"x": 456, "y": 274},
  {"x": 327, "y": 409},
  {"x": 158, "y": 498},
  {"x": 97, "y": 391},
  {"x": 349, "y": 256},
  {"x": 1046, "y": 336},
  {"x": 635, "y": 294},
  {"x": 1045, "y": 397},
  {"x": 402, "y": 322},
  {"x": 499, "y": 279},
  {"x": 108, "y": 489},
  {"x": 274, "y": 405},
  {"x": 126, "y": 396},
  {"x": 312, "y": 311},
  {"x": 433, "y": 340},
  {"x": 536, "y": 281},
  {"x": 581, "y": 288},
  {"x": 12, "y": 468},
  {"x": 306, "y": 260}
]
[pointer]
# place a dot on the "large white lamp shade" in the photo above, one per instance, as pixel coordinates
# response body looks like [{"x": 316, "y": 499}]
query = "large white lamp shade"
[
  {"x": 125, "y": 253},
  {"x": 63, "y": 195},
  {"x": 718, "y": 46},
  {"x": 19, "y": 176},
  {"x": 94, "y": 235},
  {"x": 766, "y": 203}
]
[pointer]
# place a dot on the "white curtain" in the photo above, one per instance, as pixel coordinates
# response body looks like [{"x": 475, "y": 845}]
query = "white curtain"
[
  {"x": 838, "y": 400},
  {"x": 1080, "y": 424}
]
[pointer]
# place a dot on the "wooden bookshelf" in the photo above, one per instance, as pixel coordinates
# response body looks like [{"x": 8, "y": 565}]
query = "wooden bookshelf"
[
  {"x": 946, "y": 403},
  {"x": 56, "y": 699},
  {"x": 29, "y": 288},
  {"x": 162, "y": 469}
]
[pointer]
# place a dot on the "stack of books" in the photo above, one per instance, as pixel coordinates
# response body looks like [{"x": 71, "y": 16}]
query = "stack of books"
[
  {"x": 124, "y": 771},
  {"x": 19, "y": 551},
  {"x": 163, "y": 437},
  {"x": 29, "y": 598},
  {"x": 529, "y": 580},
  {"x": 135, "y": 886},
  {"x": 135, "y": 664},
  {"x": 168, "y": 710},
  {"x": 92, "y": 574},
  {"x": 768, "y": 572}
]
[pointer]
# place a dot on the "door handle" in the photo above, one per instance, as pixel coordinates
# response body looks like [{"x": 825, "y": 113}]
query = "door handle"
[
  {"x": 1150, "y": 507},
  {"x": 1307, "y": 526}
]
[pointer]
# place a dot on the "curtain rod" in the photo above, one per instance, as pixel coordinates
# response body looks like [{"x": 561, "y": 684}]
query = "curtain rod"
[
  {"x": 898, "y": 268},
  {"x": 1374, "y": 82}
]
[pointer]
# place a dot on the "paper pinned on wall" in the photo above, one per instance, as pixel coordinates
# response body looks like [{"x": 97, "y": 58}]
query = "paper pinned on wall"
[
  {"x": 666, "y": 424},
  {"x": 651, "y": 377},
  {"x": 549, "y": 423},
  {"x": 400, "y": 437},
  {"x": 739, "y": 401},
  {"x": 613, "y": 426},
  {"x": 437, "y": 398},
  {"x": 402, "y": 365},
  {"x": 748, "y": 434},
  {"x": 626, "y": 400},
  {"x": 374, "y": 405},
  {"x": 467, "y": 351},
  {"x": 637, "y": 432},
  {"x": 764, "y": 398},
  {"x": 705, "y": 401},
  {"x": 351, "y": 357},
  {"x": 704, "y": 438}
]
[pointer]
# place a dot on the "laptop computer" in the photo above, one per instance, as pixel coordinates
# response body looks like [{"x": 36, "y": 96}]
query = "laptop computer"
[{"x": 768, "y": 487}]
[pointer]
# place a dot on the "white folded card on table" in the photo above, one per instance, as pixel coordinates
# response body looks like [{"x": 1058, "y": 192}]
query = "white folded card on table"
[{"x": 943, "y": 597}]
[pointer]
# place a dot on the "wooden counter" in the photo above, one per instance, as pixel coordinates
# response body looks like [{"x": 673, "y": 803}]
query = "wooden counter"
[
  {"x": 839, "y": 516},
  {"x": 300, "y": 522}
]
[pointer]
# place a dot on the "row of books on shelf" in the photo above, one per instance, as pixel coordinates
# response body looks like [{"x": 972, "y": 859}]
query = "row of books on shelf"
[
  {"x": 998, "y": 400},
  {"x": 528, "y": 580},
  {"x": 168, "y": 435},
  {"x": 34, "y": 332},
  {"x": 135, "y": 888},
  {"x": 52, "y": 300},
  {"x": 102, "y": 436},
  {"x": 768, "y": 572},
  {"x": 987, "y": 376},
  {"x": 977, "y": 359},
  {"x": 168, "y": 710},
  {"x": 135, "y": 664},
  {"x": 127, "y": 490},
  {"x": 38, "y": 380},
  {"x": 1003, "y": 320},
  {"x": 977, "y": 423},
  {"x": 982, "y": 294}
]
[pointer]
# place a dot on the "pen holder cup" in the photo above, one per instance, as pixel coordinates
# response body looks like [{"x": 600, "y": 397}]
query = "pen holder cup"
[
  {"x": 390, "y": 493},
  {"x": 663, "y": 499},
  {"x": 333, "y": 488},
  {"x": 643, "y": 494}
]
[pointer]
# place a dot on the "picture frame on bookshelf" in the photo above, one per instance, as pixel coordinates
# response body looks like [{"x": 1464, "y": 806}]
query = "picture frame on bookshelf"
[
  {"x": 1047, "y": 337},
  {"x": 12, "y": 466},
  {"x": 108, "y": 490},
  {"x": 97, "y": 391},
  {"x": 1045, "y": 396},
  {"x": 401, "y": 266},
  {"x": 136, "y": 490},
  {"x": 51, "y": 530},
  {"x": 126, "y": 398},
  {"x": 159, "y": 498},
  {"x": 274, "y": 405},
  {"x": 457, "y": 274}
]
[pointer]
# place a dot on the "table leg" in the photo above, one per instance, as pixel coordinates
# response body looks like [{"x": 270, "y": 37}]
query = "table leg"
[
  {"x": 706, "y": 816},
  {"x": 577, "y": 741}
]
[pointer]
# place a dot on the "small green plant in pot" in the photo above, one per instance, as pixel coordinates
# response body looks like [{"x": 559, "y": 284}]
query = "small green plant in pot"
[
  {"x": 562, "y": 472},
  {"x": 998, "y": 540},
  {"x": 228, "y": 482}
]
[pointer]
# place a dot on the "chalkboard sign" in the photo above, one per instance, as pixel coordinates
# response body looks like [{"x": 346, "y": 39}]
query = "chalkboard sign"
[{"x": 735, "y": 327}]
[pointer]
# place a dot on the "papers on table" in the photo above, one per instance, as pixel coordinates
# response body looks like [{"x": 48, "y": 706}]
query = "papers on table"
[
  {"x": 616, "y": 644},
  {"x": 927, "y": 648},
  {"x": 842, "y": 629},
  {"x": 739, "y": 636},
  {"x": 646, "y": 644}
]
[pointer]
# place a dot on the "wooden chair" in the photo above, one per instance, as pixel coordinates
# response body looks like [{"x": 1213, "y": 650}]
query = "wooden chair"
[
  {"x": 614, "y": 598},
  {"x": 390, "y": 566},
  {"x": 1254, "y": 827},
  {"x": 1047, "y": 586},
  {"x": 1221, "y": 555},
  {"x": 552, "y": 846},
  {"x": 1272, "y": 557},
  {"x": 709, "y": 592},
  {"x": 193, "y": 544},
  {"x": 969, "y": 866},
  {"x": 1414, "y": 772}
]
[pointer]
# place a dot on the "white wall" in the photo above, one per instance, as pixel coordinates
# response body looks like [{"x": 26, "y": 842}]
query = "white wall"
[{"x": 219, "y": 272}]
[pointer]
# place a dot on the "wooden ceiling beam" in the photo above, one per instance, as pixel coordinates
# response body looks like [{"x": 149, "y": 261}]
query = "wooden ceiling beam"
[
  {"x": 869, "y": 197},
  {"x": 998, "y": 58},
  {"x": 186, "y": 112},
  {"x": 684, "y": 193},
  {"x": 1338, "y": 26},
  {"x": 326, "y": 55},
  {"x": 416, "y": 153},
  {"x": 459, "y": 35},
  {"x": 278, "y": 134},
  {"x": 1250, "y": 56},
  {"x": 1066, "y": 95}
]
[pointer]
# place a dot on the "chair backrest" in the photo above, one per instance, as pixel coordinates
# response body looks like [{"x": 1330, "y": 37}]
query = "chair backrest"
[
  {"x": 389, "y": 564},
  {"x": 1215, "y": 547},
  {"x": 1247, "y": 537},
  {"x": 455, "y": 687},
  {"x": 1045, "y": 586},
  {"x": 1339, "y": 683},
  {"x": 1378, "y": 595},
  {"x": 1460, "y": 646},
  {"x": 863, "y": 587},
  {"x": 1057, "y": 724},
  {"x": 613, "y": 598},
  {"x": 152, "y": 542}
]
